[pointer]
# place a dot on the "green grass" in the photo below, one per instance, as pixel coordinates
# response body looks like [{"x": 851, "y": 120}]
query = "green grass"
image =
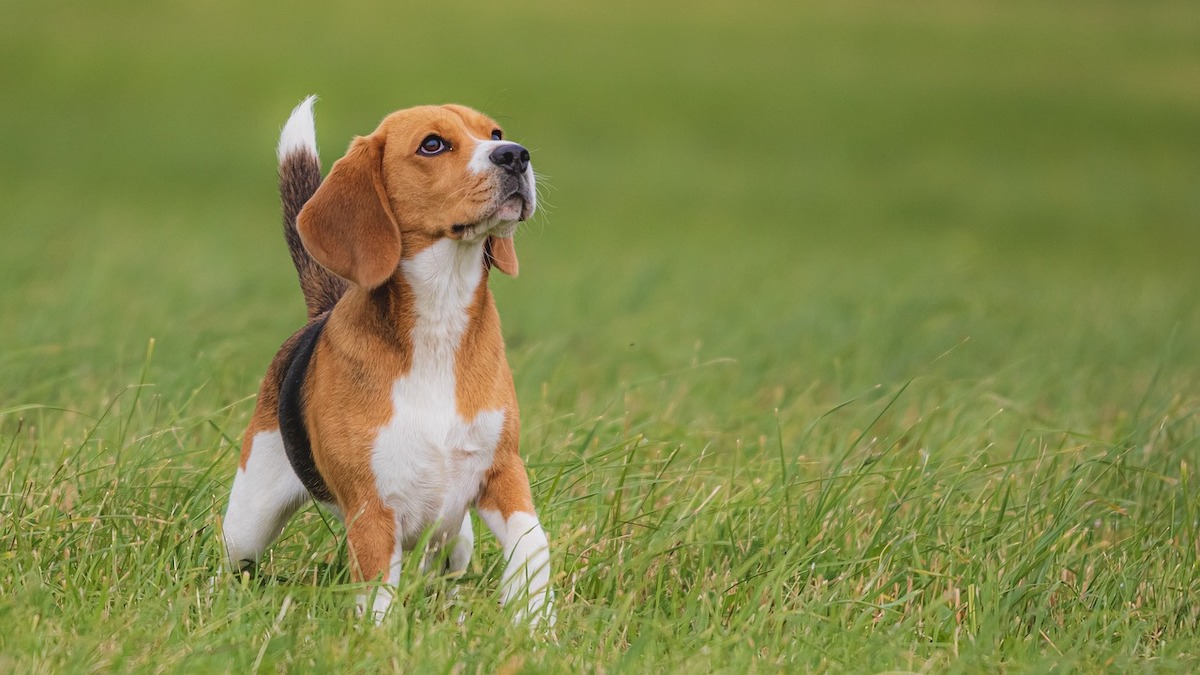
[{"x": 852, "y": 336}]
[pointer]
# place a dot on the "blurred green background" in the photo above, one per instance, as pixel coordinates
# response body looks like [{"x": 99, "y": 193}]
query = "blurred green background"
[
  {"x": 802, "y": 199},
  {"x": 752, "y": 213},
  {"x": 787, "y": 184},
  {"x": 826, "y": 192}
]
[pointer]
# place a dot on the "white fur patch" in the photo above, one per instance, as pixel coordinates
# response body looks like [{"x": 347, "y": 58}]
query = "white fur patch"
[
  {"x": 460, "y": 556},
  {"x": 428, "y": 461},
  {"x": 380, "y": 600},
  {"x": 299, "y": 133},
  {"x": 481, "y": 158},
  {"x": 265, "y": 495},
  {"x": 527, "y": 574}
]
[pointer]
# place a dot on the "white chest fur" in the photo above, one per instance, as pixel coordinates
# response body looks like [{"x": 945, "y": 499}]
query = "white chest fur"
[{"x": 428, "y": 460}]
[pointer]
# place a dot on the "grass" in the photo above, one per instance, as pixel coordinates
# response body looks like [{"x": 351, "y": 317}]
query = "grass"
[{"x": 852, "y": 337}]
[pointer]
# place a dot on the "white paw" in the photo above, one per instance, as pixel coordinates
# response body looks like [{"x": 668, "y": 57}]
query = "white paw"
[
  {"x": 539, "y": 611},
  {"x": 374, "y": 605}
]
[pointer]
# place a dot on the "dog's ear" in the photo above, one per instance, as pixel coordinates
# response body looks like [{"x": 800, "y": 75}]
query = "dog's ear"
[
  {"x": 501, "y": 253},
  {"x": 348, "y": 225}
]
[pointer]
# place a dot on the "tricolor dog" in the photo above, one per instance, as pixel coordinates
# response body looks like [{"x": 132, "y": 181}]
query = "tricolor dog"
[{"x": 394, "y": 406}]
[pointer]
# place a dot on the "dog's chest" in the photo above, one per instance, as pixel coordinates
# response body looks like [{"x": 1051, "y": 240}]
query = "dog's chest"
[{"x": 428, "y": 460}]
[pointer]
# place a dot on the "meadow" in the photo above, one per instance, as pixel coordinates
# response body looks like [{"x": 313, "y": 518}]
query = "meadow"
[{"x": 851, "y": 337}]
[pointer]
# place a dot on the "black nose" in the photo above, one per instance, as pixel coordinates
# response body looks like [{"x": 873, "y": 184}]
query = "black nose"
[{"x": 512, "y": 157}]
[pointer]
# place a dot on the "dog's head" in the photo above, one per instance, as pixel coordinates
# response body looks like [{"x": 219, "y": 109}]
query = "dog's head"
[{"x": 425, "y": 174}]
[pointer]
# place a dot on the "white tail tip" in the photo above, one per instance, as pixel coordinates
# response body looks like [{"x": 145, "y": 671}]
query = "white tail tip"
[{"x": 300, "y": 133}]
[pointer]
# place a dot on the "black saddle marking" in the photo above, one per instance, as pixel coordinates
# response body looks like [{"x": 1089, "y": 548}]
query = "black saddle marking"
[{"x": 291, "y": 413}]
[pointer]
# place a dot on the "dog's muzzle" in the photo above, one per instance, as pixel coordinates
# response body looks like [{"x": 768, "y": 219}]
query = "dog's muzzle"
[
  {"x": 511, "y": 157},
  {"x": 517, "y": 184}
]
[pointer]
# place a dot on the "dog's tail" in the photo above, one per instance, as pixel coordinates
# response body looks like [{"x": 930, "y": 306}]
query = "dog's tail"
[{"x": 299, "y": 178}]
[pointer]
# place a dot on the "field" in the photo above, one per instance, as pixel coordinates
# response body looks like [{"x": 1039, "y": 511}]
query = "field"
[{"x": 851, "y": 337}]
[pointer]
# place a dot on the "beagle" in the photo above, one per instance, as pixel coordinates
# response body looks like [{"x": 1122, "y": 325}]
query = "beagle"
[{"x": 394, "y": 406}]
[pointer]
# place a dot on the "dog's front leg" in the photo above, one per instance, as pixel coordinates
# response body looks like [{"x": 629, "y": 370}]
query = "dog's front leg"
[
  {"x": 506, "y": 505},
  {"x": 462, "y": 546},
  {"x": 374, "y": 554}
]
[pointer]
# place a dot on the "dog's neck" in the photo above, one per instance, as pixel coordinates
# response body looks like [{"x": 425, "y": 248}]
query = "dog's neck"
[
  {"x": 432, "y": 298},
  {"x": 444, "y": 280}
]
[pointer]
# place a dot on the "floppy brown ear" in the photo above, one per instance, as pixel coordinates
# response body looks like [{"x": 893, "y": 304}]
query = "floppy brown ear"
[
  {"x": 502, "y": 254},
  {"x": 347, "y": 225}
]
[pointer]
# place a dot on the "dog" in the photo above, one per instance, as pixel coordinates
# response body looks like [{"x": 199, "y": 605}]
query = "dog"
[{"x": 394, "y": 407}]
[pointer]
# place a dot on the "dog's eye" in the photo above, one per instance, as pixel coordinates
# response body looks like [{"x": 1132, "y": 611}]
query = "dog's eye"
[
  {"x": 433, "y": 145},
  {"x": 497, "y": 135}
]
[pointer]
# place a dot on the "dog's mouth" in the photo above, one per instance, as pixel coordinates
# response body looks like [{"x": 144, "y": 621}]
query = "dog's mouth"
[
  {"x": 501, "y": 221},
  {"x": 513, "y": 208}
]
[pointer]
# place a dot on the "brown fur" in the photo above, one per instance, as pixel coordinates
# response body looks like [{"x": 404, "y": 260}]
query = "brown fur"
[{"x": 347, "y": 225}]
